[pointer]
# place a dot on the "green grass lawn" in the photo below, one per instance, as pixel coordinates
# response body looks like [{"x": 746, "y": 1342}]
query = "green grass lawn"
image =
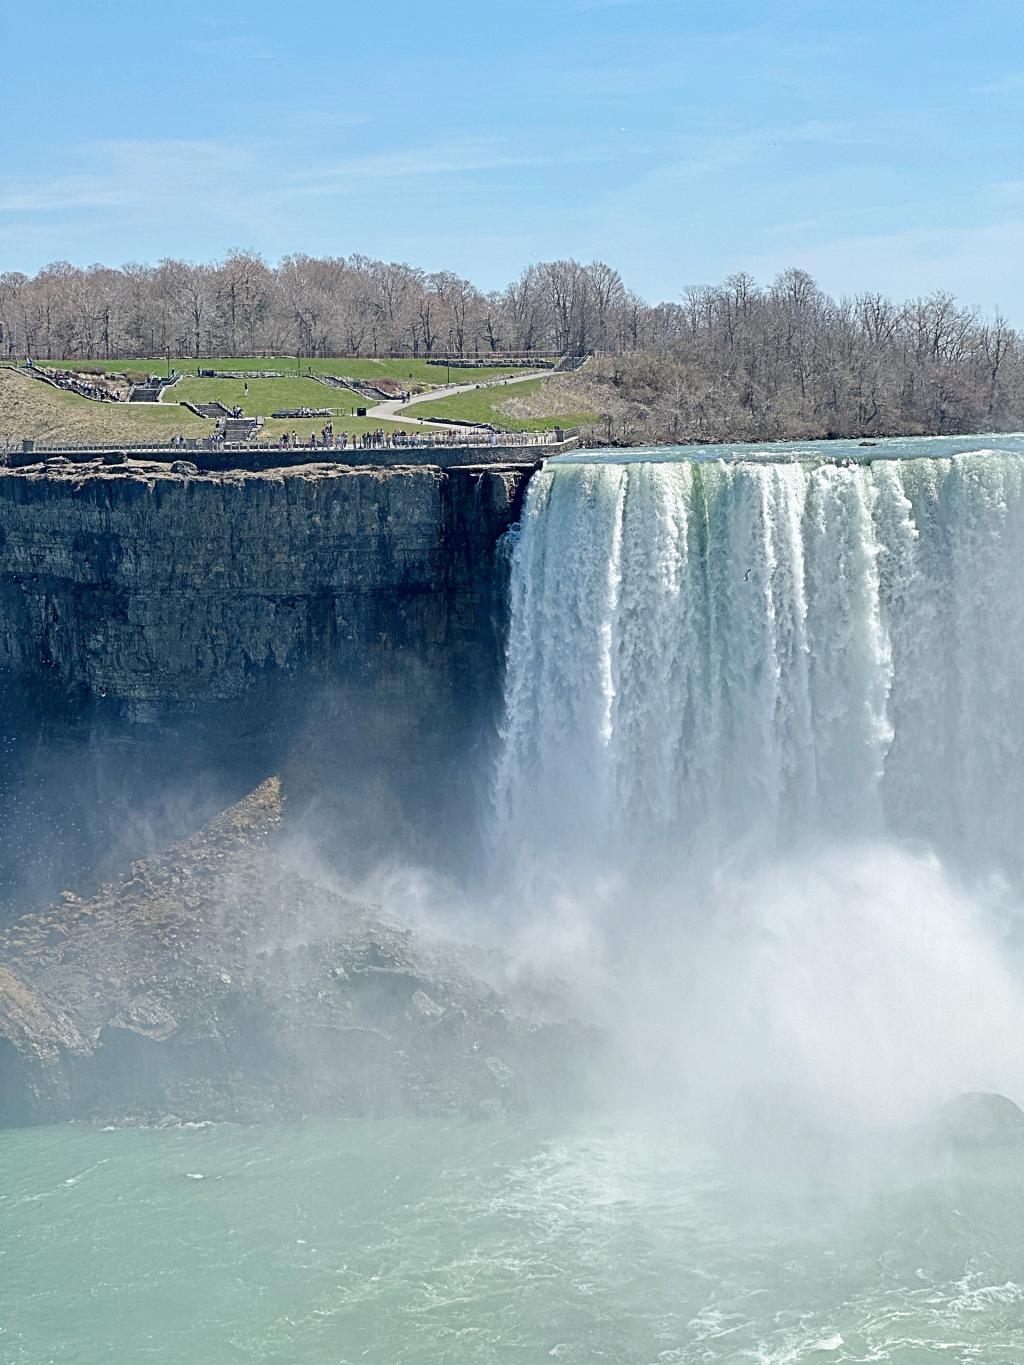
[
  {"x": 405, "y": 371},
  {"x": 306, "y": 427},
  {"x": 159, "y": 417},
  {"x": 37, "y": 410},
  {"x": 29, "y": 408},
  {"x": 483, "y": 405},
  {"x": 265, "y": 395}
]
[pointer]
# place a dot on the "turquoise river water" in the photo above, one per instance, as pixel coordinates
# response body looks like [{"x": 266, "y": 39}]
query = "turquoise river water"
[{"x": 438, "y": 1243}]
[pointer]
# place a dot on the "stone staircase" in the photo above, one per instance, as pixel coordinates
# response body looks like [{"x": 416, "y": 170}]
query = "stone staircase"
[
  {"x": 214, "y": 410},
  {"x": 572, "y": 360},
  {"x": 336, "y": 381},
  {"x": 151, "y": 390},
  {"x": 239, "y": 428},
  {"x": 365, "y": 388}
]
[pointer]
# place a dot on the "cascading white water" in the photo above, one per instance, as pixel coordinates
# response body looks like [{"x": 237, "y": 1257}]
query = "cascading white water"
[
  {"x": 701, "y": 654},
  {"x": 755, "y": 714}
]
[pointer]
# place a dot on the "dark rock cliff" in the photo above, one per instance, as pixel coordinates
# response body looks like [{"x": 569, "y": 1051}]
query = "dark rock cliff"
[{"x": 167, "y": 641}]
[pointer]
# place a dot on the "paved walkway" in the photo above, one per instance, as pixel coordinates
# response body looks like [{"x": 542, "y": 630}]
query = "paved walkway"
[{"x": 390, "y": 410}]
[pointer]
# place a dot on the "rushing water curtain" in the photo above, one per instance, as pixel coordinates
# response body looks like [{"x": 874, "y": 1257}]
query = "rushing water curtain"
[{"x": 703, "y": 653}]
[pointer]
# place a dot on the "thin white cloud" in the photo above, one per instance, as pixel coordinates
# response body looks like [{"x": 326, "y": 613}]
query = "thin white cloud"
[
  {"x": 63, "y": 193},
  {"x": 1011, "y": 83},
  {"x": 696, "y": 155},
  {"x": 585, "y": 6},
  {"x": 447, "y": 158},
  {"x": 236, "y": 47},
  {"x": 1008, "y": 193},
  {"x": 131, "y": 174},
  {"x": 230, "y": 179}
]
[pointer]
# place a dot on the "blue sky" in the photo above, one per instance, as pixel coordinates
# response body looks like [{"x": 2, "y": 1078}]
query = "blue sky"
[{"x": 875, "y": 144}]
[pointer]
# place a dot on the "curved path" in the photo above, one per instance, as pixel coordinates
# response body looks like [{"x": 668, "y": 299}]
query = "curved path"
[{"x": 394, "y": 409}]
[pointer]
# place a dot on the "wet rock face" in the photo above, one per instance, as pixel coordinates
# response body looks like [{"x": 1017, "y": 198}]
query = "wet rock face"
[
  {"x": 342, "y": 625},
  {"x": 214, "y": 982},
  {"x": 148, "y": 590}
]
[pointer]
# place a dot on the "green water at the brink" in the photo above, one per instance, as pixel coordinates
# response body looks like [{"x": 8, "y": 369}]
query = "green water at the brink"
[
  {"x": 428, "y": 1242},
  {"x": 885, "y": 448}
]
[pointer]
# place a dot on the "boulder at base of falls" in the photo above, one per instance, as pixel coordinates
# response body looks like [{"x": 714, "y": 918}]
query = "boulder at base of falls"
[{"x": 981, "y": 1119}]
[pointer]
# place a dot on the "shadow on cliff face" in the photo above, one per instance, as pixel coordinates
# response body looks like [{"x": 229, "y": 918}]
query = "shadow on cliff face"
[
  {"x": 170, "y": 641},
  {"x": 371, "y": 781},
  {"x": 372, "y": 768},
  {"x": 71, "y": 816},
  {"x": 79, "y": 804}
]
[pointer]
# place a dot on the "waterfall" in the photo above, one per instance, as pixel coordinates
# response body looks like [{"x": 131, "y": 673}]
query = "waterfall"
[{"x": 710, "y": 655}]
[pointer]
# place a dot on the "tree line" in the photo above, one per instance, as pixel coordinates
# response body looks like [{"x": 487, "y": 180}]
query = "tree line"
[
  {"x": 725, "y": 362},
  {"x": 737, "y": 362},
  {"x": 309, "y": 306}
]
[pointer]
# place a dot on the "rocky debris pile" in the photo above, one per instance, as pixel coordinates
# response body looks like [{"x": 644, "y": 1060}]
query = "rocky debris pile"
[{"x": 215, "y": 983}]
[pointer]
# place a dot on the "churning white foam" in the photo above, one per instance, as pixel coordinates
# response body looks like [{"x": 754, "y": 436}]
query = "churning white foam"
[{"x": 762, "y": 726}]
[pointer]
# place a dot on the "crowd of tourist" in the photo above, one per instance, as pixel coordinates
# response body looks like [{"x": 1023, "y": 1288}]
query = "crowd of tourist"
[
  {"x": 383, "y": 439},
  {"x": 100, "y": 388}
]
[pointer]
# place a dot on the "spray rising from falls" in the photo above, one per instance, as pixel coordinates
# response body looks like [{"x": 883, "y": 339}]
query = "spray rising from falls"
[
  {"x": 755, "y": 715},
  {"x": 706, "y": 653}
]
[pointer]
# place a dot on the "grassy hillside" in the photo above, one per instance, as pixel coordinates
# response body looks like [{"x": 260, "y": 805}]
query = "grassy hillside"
[
  {"x": 265, "y": 395},
  {"x": 405, "y": 371},
  {"x": 29, "y": 408},
  {"x": 535, "y": 405}
]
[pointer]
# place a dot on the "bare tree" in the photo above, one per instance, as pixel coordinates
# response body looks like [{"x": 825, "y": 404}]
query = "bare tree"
[{"x": 729, "y": 361}]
